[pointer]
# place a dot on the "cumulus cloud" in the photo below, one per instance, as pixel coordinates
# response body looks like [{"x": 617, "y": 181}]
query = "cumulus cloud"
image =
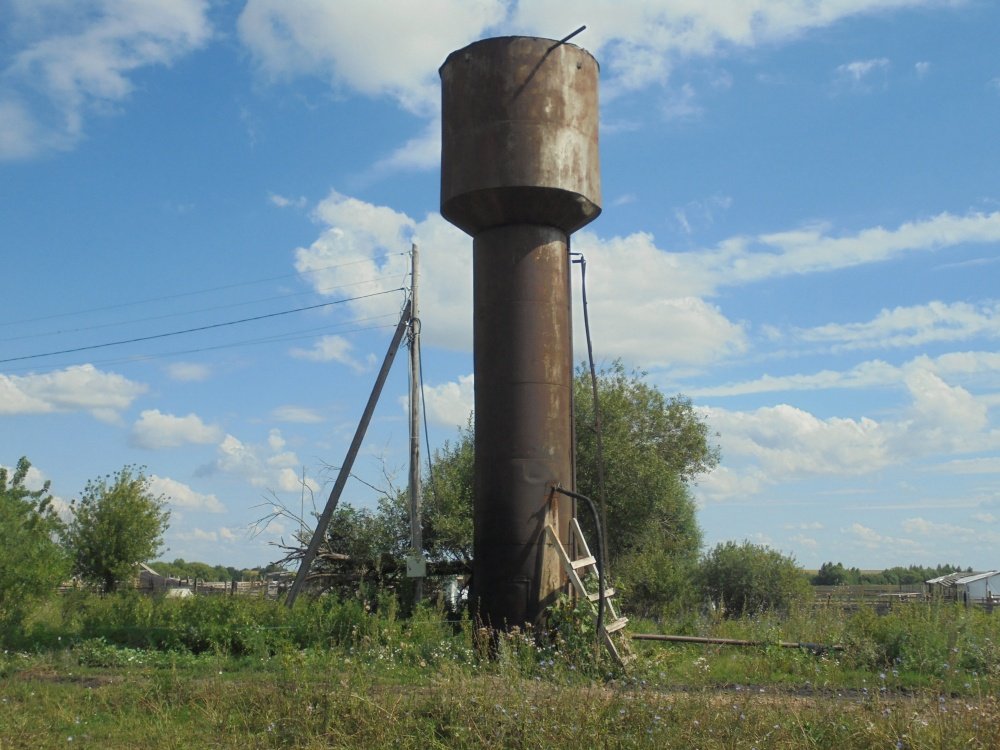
[
  {"x": 155, "y": 430},
  {"x": 77, "y": 59},
  {"x": 79, "y": 388},
  {"x": 647, "y": 303},
  {"x": 911, "y": 326},
  {"x": 863, "y": 75},
  {"x": 781, "y": 443},
  {"x": 331, "y": 348},
  {"x": 871, "y": 539},
  {"x": 450, "y": 404},
  {"x": 788, "y": 442},
  {"x": 180, "y": 495},
  {"x": 188, "y": 372},
  {"x": 379, "y": 49},
  {"x": 299, "y": 414},
  {"x": 364, "y": 248},
  {"x": 869, "y": 374},
  {"x": 266, "y": 465}
]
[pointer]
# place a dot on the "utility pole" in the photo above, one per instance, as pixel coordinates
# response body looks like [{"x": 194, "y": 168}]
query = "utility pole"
[
  {"x": 416, "y": 566},
  {"x": 323, "y": 521}
]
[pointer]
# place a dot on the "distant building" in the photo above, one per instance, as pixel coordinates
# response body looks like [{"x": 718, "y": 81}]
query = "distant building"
[
  {"x": 966, "y": 587},
  {"x": 976, "y": 588}
]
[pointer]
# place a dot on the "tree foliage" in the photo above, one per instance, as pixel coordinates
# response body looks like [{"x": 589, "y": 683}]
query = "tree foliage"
[
  {"x": 32, "y": 563},
  {"x": 750, "y": 578},
  {"x": 653, "y": 447},
  {"x": 447, "y": 504},
  {"x": 835, "y": 574},
  {"x": 116, "y": 524}
]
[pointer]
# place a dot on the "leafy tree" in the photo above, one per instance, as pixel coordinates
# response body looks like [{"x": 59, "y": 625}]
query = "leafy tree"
[
  {"x": 31, "y": 561},
  {"x": 116, "y": 524},
  {"x": 749, "y": 578},
  {"x": 830, "y": 574},
  {"x": 447, "y": 505},
  {"x": 653, "y": 447}
]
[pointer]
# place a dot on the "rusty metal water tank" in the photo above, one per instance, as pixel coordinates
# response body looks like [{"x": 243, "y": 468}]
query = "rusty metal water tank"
[{"x": 519, "y": 135}]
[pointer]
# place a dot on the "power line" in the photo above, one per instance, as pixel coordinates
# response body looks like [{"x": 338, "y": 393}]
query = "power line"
[
  {"x": 198, "y": 328},
  {"x": 99, "y": 326},
  {"x": 199, "y": 291},
  {"x": 291, "y": 336}
]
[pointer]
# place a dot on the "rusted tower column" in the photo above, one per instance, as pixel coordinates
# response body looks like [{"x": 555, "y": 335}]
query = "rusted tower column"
[{"x": 520, "y": 173}]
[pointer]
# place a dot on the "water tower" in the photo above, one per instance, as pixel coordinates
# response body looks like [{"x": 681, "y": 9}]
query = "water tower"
[{"x": 520, "y": 173}]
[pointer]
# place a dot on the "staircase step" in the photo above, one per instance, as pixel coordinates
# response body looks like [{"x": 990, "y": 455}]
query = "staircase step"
[
  {"x": 608, "y": 593},
  {"x": 617, "y": 625},
  {"x": 583, "y": 562}
]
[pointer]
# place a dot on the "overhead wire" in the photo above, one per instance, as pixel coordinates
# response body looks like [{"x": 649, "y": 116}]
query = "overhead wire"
[
  {"x": 209, "y": 290},
  {"x": 196, "y": 329},
  {"x": 81, "y": 329},
  {"x": 279, "y": 338}
]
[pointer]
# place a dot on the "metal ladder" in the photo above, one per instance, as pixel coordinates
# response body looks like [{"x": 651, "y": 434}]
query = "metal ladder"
[{"x": 613, "y": 627}]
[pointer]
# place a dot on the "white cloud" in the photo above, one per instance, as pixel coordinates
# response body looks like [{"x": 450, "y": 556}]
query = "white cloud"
[
  {"x": 299, "y": 414},
  {"x": 990, "y": 465},
  {"x": 682, "y": 104},
  {"x": 726, "y": 483},
  {"x": 638, "y": 43},
  {"x": 76, "y": 59},
  {"x": 282, "y": 202},
  {"x": 155, "y": 430},
  {"x": 984, "y": 517},
  {"x": 744, "y": 260},
  {"x": 922, "y": 68},
  {"x": 331, "y": 348},
  {"x": 863, "y": 75},
  {"x": 267, "y": 465},
  {"x": 872, "y": 539},
  {"x": 806, "y": 526},
  {"x": 79, "y": 388},
  {"x": 379, "y": 49},
  {"x": 804, "y": 541},
  {"x": 419, "y": 153},
  {"x": 911, "y": 326},
  {"x": 450, "y": 404},
  {"x": 957, "y": 534},
  {"x": 181, "y": 495},
  {"x": 364, "y": 250},
  {"x": 787, "y": 442},
  {"x": 188, "y": 372},
  {"x": 647, "y": 304},
  {"x": 870, "y": 374}
]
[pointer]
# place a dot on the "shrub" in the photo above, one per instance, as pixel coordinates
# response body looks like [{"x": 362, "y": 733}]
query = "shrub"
[{"x": 750, "y": 578}]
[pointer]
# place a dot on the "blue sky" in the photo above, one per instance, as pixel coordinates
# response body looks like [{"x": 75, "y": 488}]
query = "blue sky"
[{"x": 800, "y": 232}]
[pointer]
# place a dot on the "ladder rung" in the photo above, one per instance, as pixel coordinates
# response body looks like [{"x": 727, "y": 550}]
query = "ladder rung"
[
  {"x": 617, "y": 625},
  {"x": 608, "y": 593},
  {"x": 583, "y": 562}
]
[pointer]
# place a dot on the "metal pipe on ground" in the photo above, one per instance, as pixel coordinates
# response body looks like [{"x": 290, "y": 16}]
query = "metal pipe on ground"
[{"x": 814, "y": 647}]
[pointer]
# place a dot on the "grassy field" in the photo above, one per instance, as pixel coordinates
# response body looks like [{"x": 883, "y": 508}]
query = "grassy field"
[{"x": 128, "y": 672}]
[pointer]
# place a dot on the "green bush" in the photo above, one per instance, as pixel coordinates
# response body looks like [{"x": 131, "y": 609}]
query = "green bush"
[{"x": 749, "y": 578}]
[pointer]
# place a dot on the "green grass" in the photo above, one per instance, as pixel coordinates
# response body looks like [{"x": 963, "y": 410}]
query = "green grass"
[{"x": 231, "y": 673}]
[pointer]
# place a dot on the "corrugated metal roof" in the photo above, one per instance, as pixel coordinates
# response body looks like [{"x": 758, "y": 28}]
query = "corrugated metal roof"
[
  {"x": 969, "y": 578},
  {"x": 949, "y": 579}
]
